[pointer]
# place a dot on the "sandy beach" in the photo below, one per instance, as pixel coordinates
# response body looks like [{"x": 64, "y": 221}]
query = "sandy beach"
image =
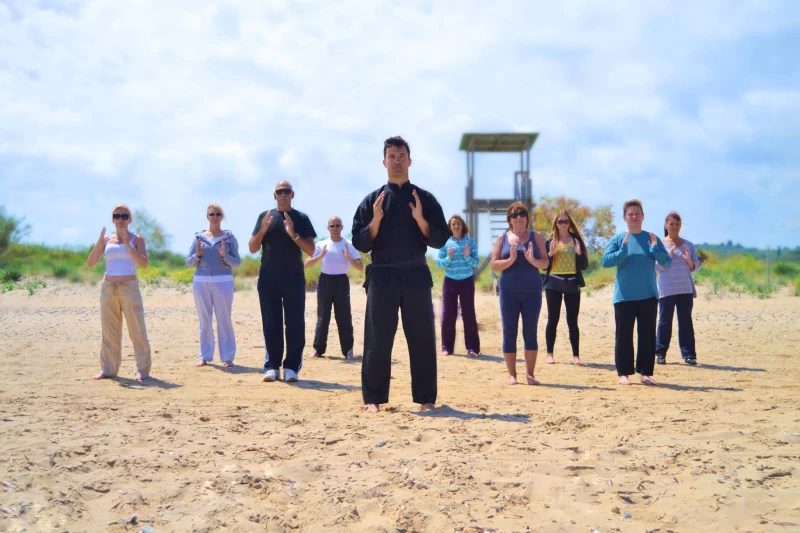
[{"x": 714, "y": 448}]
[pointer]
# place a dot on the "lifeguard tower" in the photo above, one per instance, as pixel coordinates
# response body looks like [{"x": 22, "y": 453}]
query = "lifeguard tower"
[{"x": 522, "y": 190}]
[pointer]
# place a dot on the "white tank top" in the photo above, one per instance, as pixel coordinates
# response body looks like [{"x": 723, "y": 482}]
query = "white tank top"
[{"x": 119, "y": 261}]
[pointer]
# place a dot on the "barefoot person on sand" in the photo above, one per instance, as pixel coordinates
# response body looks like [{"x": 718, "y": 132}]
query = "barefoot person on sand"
[
  {"x": 676, "y": 291},
  {"x": 458, "y": 257},
  {"x": 283, "y": 234},
  {"x": 215, "y": 253},
  {"x": 396, "y": 224},
  {"x": 333, "y": 289},
  {"x": 519, "y": 254},
  {"x": 635, "y": 253},
  {"x": 120, "y": 296},
  {"x": 567, "y": 256}
]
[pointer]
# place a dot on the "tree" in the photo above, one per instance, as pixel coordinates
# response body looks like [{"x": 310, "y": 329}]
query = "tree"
[
  {"x": 597, "y": 225},
  {"x": 12, "y": 229},
  {"x": 151, "y": 230}
]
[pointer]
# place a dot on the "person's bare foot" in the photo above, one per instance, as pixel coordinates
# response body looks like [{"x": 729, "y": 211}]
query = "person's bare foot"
[
  {"x": 200, "y": 362},
  {"x": 649, "y": 381},
  {"x": 577, "y": 361},
  {"x": 140, "y": 377},
  {"x": 444, "y": 353},
  {"x": 227, "y": 364},
  {"x": 101, "y": 375},
  {"x": 623, "y": 380},
  {"x": 512, "y": 380},
  {"x": 350, "y": 356},
  {"x": 550, "y": 360},
  {"x": 532, "y": 380},
  {"x": 312, "y": 355},
  {"x": 427, "y": 407},
  {"x": 372, "y": 408}
]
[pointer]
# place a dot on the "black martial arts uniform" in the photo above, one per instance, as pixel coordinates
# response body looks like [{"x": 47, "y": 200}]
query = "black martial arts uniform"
[{"x": 399, "y": 278}]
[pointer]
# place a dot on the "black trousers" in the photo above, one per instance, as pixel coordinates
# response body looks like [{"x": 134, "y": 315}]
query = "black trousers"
[
  {"x": 380, "y": 326},
  {"x": 333, "y": 291},
  {"x": 572, "y": 301},
  {"x": 643, "y": 313},
  {"x": 283, "y": 296}
]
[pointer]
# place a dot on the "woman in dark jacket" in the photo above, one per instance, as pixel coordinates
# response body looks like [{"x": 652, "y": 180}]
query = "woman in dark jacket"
[{"x": 568, "y": 256}]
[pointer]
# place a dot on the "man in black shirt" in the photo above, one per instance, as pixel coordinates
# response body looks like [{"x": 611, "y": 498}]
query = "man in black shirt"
[
  {"x": 283, "y": 234},
  {"x": 397, "y": 223}
]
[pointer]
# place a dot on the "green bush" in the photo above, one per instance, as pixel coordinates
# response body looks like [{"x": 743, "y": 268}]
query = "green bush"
[
  {"x": 32, "y": 285},
  {"x": 184, "y": 276},
  {"x": 786, "y": 269},
  {"x": 6, "y": 286},
  {"x": 11, "y": 273},
  {"x": 61, "y": 271}
]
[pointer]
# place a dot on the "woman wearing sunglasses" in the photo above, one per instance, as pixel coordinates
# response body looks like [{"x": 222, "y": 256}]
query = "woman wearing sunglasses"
[
  {"x": 120, "y": 296},
  {"x": 519, "y": 254},
  {"x": 215, "y": 253},
  {"x": 676, "y": 290},
  {"x": 567, "y": 256},
  {"x": 458, "y": 257}
]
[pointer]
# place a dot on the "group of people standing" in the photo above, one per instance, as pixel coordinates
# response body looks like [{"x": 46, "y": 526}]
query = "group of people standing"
[{"x": 396, "y": 224}]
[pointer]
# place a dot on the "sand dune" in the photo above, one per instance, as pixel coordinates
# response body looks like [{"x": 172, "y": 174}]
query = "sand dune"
[{"x": 715, "y": 448}]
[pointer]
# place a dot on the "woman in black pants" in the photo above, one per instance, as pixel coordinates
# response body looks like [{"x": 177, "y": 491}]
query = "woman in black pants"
[{"x": 568, "y": 256}]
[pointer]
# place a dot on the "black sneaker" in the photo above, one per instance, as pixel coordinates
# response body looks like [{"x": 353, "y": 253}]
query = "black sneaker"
[
  {"x": 691, "y": 361},
  {"x": 661, "y": 359}
]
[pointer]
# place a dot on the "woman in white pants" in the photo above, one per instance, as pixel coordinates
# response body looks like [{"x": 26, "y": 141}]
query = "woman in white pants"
[{"x": 214, "y": 253}]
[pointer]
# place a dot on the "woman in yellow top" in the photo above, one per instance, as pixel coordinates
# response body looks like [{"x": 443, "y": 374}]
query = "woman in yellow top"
[{"x": 568, "y": 256}]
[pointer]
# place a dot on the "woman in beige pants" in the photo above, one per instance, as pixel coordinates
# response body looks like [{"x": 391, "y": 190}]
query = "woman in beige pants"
[{"x": 120, "y": 295}]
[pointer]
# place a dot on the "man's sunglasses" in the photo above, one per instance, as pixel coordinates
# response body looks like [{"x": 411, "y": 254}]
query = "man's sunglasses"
[
  {"x": 334, "y": 225},
  {"x": 284, "y": 192},
  {"x": 123, "y": 216},
  {"x": 215, "y": 214},
  {"x": 517, "y": 214},
  {"x": 562, "y": 222}
]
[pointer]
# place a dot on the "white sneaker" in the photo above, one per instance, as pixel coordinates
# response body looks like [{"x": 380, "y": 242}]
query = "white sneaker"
[
  {"x": 289, "y": 376},
  {"x": 270, "y": 375}
]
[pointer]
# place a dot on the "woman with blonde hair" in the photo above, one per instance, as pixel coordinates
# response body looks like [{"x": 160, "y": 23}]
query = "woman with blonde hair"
[
  {"x": 567, "y": 257},
  {"x": 215, "y": 253},
  {"x": 120, "y": 296},
  {"x": 519, "y": 254},
  {"x": 458, "y": 257}
]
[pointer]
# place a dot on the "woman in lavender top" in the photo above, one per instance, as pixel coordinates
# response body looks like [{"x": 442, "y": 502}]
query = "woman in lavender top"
[
  {"x": 458, "y": 257},
  {"x": 676, "y": 290}
]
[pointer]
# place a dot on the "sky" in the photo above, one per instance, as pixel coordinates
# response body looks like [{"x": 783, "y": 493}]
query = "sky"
[{"x": 169, "y": 106}]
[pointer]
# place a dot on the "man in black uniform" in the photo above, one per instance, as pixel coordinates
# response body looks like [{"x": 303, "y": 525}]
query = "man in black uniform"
[
  {"x": 397, "y": 223},
  {"x": 283, "y": 234}
]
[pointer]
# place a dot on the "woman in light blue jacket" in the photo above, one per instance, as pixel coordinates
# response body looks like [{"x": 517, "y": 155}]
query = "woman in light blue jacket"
[
  {"x": 458, "y": 257},
  {"x": 215, "y": 252}
]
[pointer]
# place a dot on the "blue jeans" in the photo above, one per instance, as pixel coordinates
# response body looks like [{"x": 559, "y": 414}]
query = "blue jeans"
[
  {"x": 512, "y": 305},
  {"x": 666, "y": 309}
]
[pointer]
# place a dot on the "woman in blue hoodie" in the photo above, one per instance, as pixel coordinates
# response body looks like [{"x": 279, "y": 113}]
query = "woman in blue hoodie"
[{"x": 215, "y": 252}]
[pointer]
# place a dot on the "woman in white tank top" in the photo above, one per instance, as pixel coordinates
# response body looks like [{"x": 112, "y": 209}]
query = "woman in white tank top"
[{"x": 120, "y": 296}]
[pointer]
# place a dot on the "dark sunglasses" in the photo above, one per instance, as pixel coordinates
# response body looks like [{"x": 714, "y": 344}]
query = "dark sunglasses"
[
  {"x": 284, "y": 192},
  {"x": 562, "y": 222},
  {"x": 123, "y": 216},
  {"x": 215, "y": 214},
  {"x": 334, "y": 225},
  {"x": 517, "y": 214}
]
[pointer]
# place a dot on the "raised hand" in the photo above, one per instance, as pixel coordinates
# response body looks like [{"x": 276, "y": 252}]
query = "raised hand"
[
  {"x": 513, "y": 253},
  {"x": 551, "y": 248},
  {"x": 653, "y": 239},
  {"x": 345, "y": 251},
  {"x": 625, "y": 240},
  {"x": 198, "y": 248},
  {"x": 377, "y": 207},
  {"x": 266, "y": 223},
  {"x": 102, "y": 235},
  {"x": 529, "y": 252},
  {"x": 416, "y": 206},
  {"x": 288, "y": 224},
  {"x": 577, "y": 247},
  {"x": 222, "y": 248},
  {"x": 122, "y": 236},
  {"x": 466, "y": 250},
  {"x": 685, "y": 253},
  {"x": 451, "y": 252},
  {"x": 324, "y": 251}
]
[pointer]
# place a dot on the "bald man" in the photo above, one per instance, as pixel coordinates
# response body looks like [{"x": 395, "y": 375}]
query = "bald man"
[
  {"x": 337, "y": 256},
  {"x": 283, "y": 234}
]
